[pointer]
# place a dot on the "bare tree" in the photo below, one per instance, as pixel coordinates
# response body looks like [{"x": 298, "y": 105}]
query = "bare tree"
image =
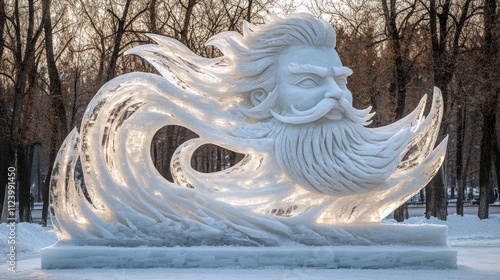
[
  {"x": 400, "y": 28},
  {"x": 491, "y": 90},
  {"x": 152, "y": 17},
  {"x": 461, "y": 121},
  {"x": 3, "y": 18},
  {"x": 3, "y": 113},
  {"x": 249, "y": 11},
  {"x": 122, "y": 26},
  {"x": 445, "y": 43},
  {"x": 57, "y": 110},
  {"x": 110, "y": 29},
  {"x": 24, "y": 57}
]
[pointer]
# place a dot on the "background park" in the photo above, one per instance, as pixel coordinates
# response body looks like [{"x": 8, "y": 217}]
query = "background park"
[{"x": 55, "y": 55}]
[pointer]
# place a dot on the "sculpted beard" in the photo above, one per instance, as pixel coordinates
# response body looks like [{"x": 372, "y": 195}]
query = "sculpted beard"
[{"x": 338, "y": 158}]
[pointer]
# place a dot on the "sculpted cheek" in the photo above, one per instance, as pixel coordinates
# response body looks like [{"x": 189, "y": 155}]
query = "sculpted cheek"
[{"x": 348, "y": 96}]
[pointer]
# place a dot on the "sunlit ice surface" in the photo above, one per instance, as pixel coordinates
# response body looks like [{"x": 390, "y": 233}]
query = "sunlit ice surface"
[{"x": 306, "y": 178}]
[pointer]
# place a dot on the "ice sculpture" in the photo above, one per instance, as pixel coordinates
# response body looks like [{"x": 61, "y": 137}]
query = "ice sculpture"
[{"x": 313, "y": 173}]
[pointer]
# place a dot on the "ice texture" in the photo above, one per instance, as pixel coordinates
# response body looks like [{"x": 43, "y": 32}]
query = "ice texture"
[
  {"x": 262, "y": 200},
  {"x": 248, "y": 257}
]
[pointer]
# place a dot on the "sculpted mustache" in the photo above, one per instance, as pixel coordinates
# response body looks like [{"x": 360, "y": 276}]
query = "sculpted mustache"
[{"x": 361, "y": 117}]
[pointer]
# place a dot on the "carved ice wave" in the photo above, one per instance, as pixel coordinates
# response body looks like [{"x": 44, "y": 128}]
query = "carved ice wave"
[
  {"x": 252, "y": 203},
  {"x": 131, "y": 201}
]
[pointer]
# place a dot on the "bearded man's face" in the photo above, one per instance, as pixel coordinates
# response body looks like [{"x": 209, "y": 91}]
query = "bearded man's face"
[
  {"x": 321, "y": 141},
  {"x": 311, "y": 80}
]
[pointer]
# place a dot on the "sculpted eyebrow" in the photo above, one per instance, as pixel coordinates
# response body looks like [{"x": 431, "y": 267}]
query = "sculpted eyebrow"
[
  {"x": 296, "y": 68},
  {"x": 341, "y": 71}
]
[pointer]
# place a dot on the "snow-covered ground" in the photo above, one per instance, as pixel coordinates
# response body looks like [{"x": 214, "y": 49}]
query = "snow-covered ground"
[{"x": 477, "y": 242}]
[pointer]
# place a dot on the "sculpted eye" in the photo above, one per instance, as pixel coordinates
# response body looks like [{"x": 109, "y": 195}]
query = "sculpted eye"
[{"x": 307, "y": 83}]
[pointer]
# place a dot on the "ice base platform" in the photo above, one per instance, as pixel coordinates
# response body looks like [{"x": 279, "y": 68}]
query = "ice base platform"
[{"x": 327, "y": 257}]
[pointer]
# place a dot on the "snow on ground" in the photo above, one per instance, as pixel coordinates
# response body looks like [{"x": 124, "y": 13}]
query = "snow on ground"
[
  {"x": 477, "y": 242},
  {"x": 467, "y": 230},
  {"x": 29, "y": 239}
]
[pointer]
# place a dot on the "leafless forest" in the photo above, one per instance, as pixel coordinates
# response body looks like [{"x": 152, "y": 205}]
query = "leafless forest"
[{"x": 55, "y": 55}]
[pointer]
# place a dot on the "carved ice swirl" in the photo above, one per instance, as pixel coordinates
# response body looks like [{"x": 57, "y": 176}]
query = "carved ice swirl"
[{"x": 278, "y": 95}]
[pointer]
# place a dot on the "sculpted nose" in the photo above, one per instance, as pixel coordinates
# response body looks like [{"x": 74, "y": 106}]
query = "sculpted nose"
[
  {"x": 336, "y": 94},
  {"x": 333, "y": 90}
]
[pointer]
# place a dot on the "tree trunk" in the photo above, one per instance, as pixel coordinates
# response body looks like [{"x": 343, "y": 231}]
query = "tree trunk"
[
  {"x": 72, "y": 116},
  {"x": 398, "y": 90},
  {"x": 436, "y": 205},
  {"x": 443, "y": 63},
  {"x": 3, "y": 18},
  {"x": 3, "y": 115},
  {"x": 20, "y": 86},
  {"x": 4, "y": 150},
  {"x": 57, "y": 110},
  {"x": 152, "y": 17},
  {"x": 489, "y": 109},
  {"x": 249, "y": 10},
  {"x": 26, "y": 144},
  {"x": 459, "y": 157},
  {"x": 25, "y": 154},
  {"x": 430, "y": 199},
  {"x": 117, "y": 42},
  {"x": 485, "y": 165},
  {"x": 496, "y": 156},
  {"x": 187, "y": 19},
  {"x": 445, "y": 48}
]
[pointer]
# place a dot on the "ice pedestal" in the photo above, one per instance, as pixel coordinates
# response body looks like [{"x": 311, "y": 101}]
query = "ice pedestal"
[
  {"x": 384, "y": 246},
  {"x": 248, "y": 257}
]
